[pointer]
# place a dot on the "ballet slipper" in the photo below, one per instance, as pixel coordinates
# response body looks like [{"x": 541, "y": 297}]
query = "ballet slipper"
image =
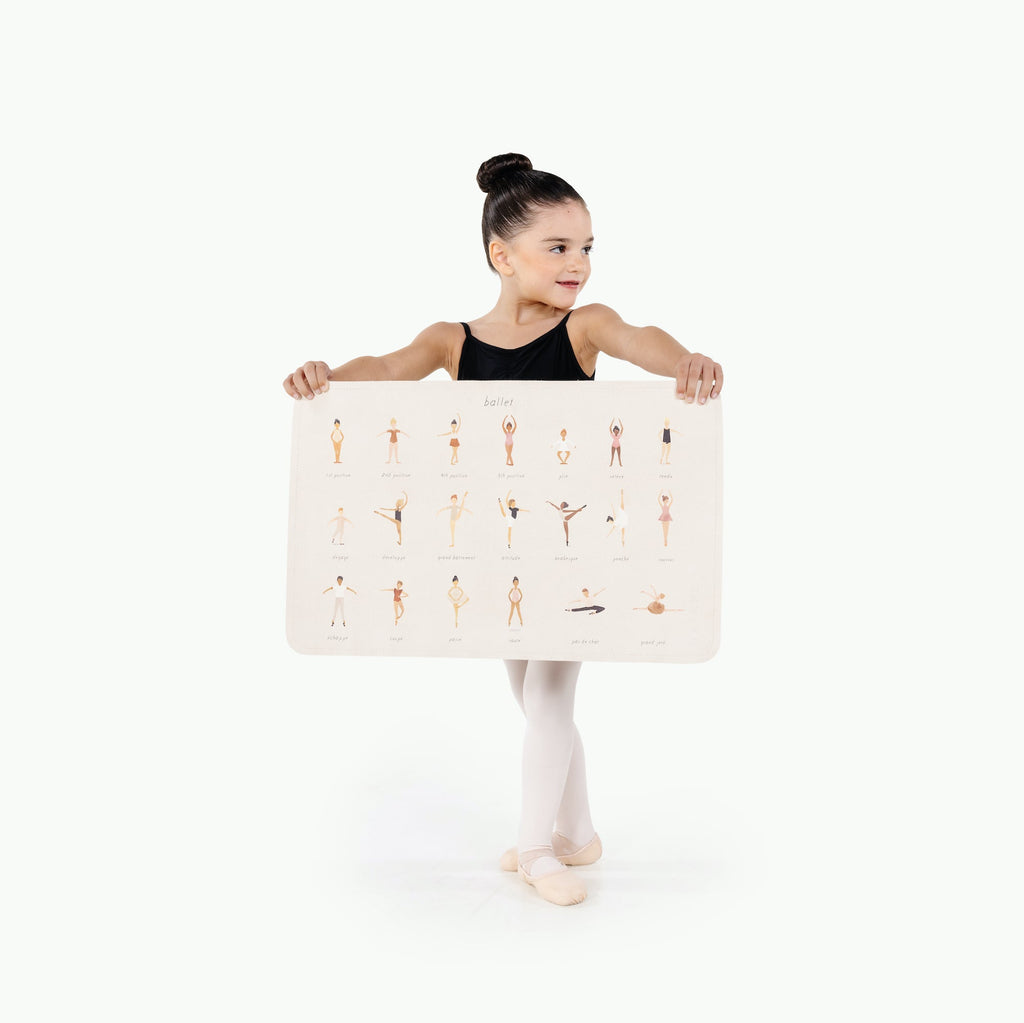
[
  {"x": 563, "y": 888},
  {"x": 585, "y": 855},
  {"x": 564, "y": 853}
]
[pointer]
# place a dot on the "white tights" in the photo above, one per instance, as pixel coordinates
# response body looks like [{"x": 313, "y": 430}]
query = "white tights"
[{"x": 554, "y": 769}]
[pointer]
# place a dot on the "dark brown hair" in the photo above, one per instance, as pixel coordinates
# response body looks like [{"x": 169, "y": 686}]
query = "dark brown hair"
[{"x": 514, "y": 192}]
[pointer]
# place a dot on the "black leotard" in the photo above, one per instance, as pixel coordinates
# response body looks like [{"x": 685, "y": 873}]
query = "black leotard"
[{"x": 548, "y": 357}]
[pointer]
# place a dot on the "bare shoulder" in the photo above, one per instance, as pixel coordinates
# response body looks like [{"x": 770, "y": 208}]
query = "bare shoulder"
[
  {"x": 595, "y": 315},
  {"x": 598, "y": 328},
  {"x": 435, "y": 347}
]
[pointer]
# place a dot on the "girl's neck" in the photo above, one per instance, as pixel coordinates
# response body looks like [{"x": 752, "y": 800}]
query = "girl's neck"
[{"x": 516, "y": 311}]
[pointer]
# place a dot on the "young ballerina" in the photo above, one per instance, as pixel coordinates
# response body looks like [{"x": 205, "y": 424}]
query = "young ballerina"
[
  {"x": 567, "y": 513},
  {"x": 616, "y": 429},
  {"x": 515, "y": 598},
  {"x": 619, "y": 519},
  {"x": 510, "y": 511},
  {"x": 392, "y": 431},
  {"x": 458, "y": 598},
  {"x": 339, "y": 520},
  {"x": 336, "y": 438},
  {"x": 397, "y": 593},
  {"x": 455, "y": 511},
  {"x": 453, "y": 433},
  {"x": 508, "y": 424},
  {"x": 665, "y": 516},
  {"x": 537, "y": 236},
  {"x": 396, "y": 514},
  {"x": 666, "y": 443}
]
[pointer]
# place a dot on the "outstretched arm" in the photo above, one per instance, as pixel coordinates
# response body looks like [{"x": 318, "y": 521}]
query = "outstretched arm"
[
  {"x": 431, "y": 349},
  {"x": 651, "y": 348}
]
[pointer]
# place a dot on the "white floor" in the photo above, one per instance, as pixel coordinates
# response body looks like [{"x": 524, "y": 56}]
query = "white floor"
[{"x": 311, "y": 839}]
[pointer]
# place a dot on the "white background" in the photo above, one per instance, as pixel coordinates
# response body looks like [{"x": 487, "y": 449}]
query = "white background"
[{"x": 823, "y": 822}]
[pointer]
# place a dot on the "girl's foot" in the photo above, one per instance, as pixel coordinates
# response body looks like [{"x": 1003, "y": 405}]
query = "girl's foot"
[
  {"x": 553, "y": 881},
  {"x": 565, "y": 851}
]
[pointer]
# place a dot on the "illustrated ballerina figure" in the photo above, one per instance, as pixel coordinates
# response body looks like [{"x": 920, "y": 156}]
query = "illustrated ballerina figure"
[
  {"x": 336, "y": 438},
  {"x": 567, "y": 513},
  {"x": 339, "y": 529},
  {"x": 618, "y": 518},
  {"x": 588, "y": 599},
  {"x": 453, "y": 433},
  {"x": 392, "y": 431},
  {"x": 616, "y": 429},
  {"x": 666, "y": 443},
  {"x": 339, "y": 600},
  {"x": 457, "y": 595},
  {"x": 664, "y": 503},
  {"x": 397, "y": 593},
  {"x": 511, "y": 512},
  {"x": 455, "y": 511},
  {"x": 563, "y": 448},
  {"x": 396, "y": 514},
  {"x": 515, "y": 598},
  {"x": 509, "y": 427},
  {"x": 656, "y": 607}
]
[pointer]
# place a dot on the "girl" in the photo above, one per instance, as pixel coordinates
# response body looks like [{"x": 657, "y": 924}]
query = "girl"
[
  {"x": 616, "y": 429},
  {"x": 455, "y": 511},
  {"x": 537, "y": 237},
  {"x": 336, "y": 438},
  {"x": 665, "y": 514},
  {"x": 396, "y": 514},
  {"x": 508, "y": 424},
  {"x": 511, "y": 511},
  {"x": 457, "y": 595},
  {"x": 452, "y": 434}
]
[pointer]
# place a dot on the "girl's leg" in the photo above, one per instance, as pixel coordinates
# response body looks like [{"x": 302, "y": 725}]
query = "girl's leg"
[
  {"x": 549, "y": 691},
  {"x": 573, "y": 817}
]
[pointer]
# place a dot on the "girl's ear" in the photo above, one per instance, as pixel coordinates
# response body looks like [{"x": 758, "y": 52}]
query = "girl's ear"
[{"x": 499, "y": 257}]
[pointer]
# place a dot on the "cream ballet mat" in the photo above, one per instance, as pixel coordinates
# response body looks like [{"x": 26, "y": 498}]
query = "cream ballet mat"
[{"x": 652, "y": 574}]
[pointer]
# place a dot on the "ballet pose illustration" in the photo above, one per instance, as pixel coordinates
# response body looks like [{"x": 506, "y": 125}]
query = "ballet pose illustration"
[
  {"x": 508, "y": 428},
  {"x": 392, "y": 431},
  {"x": 455, "y": 511},
  {"x": 396, "y": 513},
  {"x": 510, "y": 511},
  {"x": 457, "y": 595},
  {"x": 616, "y": 429},
  {"x": 563, "y": 448},
  {"x": 336, "y": 438},
  {"x": 567, "y": 513},
  {"x": 397, "y": 593},
  {"x": 656, "y": 607},
  {"x": 453, "y": 434},
  {"x": 619, "y": 518},
  {"x": 339, "y": 600},
  {"x": 515, "y": 598},
  {"x": 664, "y": 503},
  {"x": 666, "y": 443},
  {"x": 588, "y": 602},
  {"x": 339, "y": 521}
]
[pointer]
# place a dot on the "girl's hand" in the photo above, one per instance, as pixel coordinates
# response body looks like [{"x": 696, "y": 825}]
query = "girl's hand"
[
  {"x": 308, "y": 380},
  {"x": 698, "y": 377}
]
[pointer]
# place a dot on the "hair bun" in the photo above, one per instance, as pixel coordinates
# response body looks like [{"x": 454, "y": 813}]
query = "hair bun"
[{"x": 497, "y": 167}]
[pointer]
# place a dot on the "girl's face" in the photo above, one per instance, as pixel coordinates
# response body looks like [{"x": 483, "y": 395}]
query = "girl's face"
[{"x": 549, "y": 262}]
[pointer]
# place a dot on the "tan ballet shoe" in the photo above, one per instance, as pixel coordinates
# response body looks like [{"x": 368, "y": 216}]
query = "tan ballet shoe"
[
  {"x": 564, "y": 853},
  {"x": 582, "y": 857},
  {"x": 563, "y": 888}
]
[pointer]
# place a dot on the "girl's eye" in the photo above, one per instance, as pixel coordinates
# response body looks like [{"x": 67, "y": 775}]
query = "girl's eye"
[
  {"x": 587, "y": 248},
  {"x": 559, "y": 249}
]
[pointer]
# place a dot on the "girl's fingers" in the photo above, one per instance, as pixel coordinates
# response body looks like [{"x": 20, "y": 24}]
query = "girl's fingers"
[{"x": 309, "y": 380}]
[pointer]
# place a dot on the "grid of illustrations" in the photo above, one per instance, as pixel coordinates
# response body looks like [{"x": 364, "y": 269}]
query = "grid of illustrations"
[{"x": 513, "y": 519}]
